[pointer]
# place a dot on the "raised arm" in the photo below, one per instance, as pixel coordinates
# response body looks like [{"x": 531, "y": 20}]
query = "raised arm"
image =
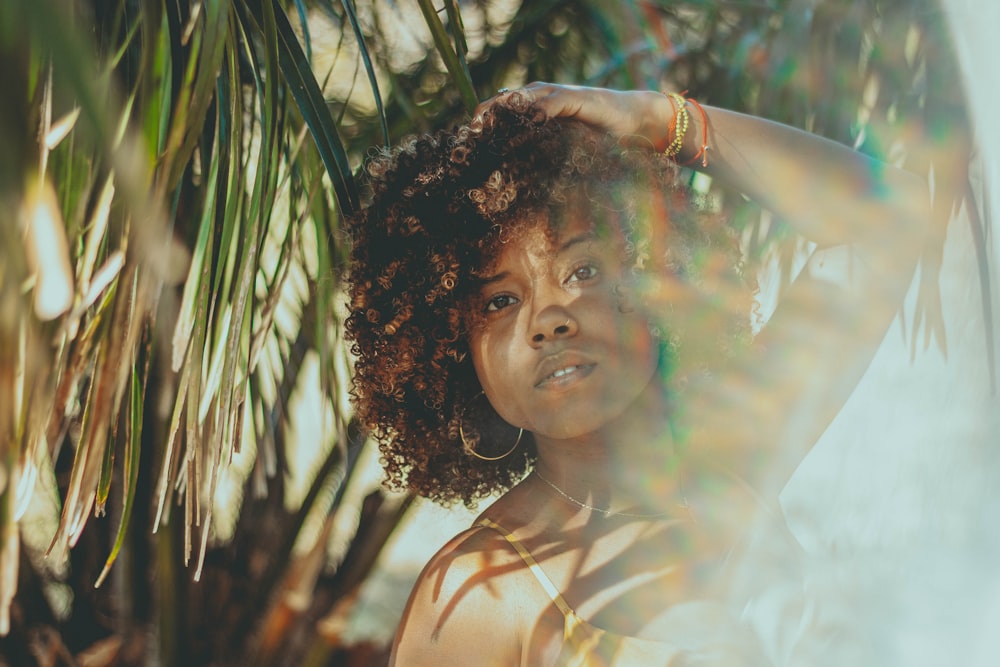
[{"x": 832, "y": 194}]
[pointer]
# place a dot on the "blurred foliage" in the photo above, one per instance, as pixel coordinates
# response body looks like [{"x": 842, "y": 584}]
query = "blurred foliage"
[{"x": 174, "y": 177}]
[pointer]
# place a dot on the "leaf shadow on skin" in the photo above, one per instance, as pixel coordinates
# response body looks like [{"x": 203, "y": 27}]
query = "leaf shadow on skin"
[{"x": 596, "y": 588}]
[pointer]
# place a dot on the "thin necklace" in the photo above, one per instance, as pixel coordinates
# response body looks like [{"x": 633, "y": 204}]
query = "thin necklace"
[{"x": 597, "y": 509}]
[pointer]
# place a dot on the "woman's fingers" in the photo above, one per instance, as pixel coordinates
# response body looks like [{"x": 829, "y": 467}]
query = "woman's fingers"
[
  {"x": 632, "y": 115},
  {"x": 529, "y": 92},
  {"x": 557, "y": 101}
]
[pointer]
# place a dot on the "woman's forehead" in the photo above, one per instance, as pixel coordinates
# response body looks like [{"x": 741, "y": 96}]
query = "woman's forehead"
[{"x": 545, "y": 238}]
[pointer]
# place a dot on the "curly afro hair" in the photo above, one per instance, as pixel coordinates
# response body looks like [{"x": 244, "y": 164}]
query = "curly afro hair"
[{"x": 441, "y": 207}]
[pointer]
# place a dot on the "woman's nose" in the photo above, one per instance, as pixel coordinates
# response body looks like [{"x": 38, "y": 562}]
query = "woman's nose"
[{"x": 552, "y": 323}]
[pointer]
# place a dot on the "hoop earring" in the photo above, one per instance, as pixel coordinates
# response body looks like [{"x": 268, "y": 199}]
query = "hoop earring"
[{"x": 472, "y": 450}]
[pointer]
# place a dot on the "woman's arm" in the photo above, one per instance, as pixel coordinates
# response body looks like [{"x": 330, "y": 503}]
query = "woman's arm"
[
  {"x": 870, "y": 221},
  {"x": 830, "y": 193}
]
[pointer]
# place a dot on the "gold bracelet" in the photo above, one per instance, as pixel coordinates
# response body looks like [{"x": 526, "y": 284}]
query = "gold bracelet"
[{"x": 678, "y": 125}]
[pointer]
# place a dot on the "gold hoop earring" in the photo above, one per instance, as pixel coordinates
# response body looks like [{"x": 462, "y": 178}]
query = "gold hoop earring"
[{"x": 472, "y": 450}]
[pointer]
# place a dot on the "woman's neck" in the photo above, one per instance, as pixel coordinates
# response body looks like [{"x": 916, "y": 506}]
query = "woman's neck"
[{"x": 629, "y": 464}]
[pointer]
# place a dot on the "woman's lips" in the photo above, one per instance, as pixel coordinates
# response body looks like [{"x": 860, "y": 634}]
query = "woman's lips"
[{"x": 565, "y": 376}]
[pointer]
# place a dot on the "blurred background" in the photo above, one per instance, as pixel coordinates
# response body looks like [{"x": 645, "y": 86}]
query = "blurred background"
[{"x": 181, "y": 481}]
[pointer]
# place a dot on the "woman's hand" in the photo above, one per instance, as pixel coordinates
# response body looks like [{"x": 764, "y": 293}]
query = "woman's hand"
[{"x": 640, "y": 117}]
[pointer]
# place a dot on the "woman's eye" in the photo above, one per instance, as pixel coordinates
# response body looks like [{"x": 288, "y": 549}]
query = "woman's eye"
[
  {"x": 584, "y": 272},
  {"x": 499, "y": 302}
]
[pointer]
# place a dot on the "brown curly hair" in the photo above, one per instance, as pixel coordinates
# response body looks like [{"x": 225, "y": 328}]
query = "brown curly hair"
[{"x": 441, "y": 207}]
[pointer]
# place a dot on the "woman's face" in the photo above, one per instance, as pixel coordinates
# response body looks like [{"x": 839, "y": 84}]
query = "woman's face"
[{"x": 558, "y": 353}]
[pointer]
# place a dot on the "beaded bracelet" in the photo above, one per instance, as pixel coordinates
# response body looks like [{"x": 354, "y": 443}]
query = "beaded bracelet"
[
  {"x": 677, "y": 129},
  {"x": 678, "y": 125}
]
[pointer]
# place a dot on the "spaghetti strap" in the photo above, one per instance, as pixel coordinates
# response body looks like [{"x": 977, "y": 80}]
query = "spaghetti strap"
[{"x": 533, "y": 565}]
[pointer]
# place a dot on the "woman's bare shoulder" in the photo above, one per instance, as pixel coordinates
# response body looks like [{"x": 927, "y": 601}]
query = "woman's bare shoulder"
[{"x": 465, "y": 604}]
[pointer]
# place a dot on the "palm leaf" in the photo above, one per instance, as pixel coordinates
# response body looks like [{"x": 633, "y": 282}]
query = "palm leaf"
[
  {"x": 352, "y": 15},
  {"x": 450, "y": 54},
  {"x": 303, "y": 87}
]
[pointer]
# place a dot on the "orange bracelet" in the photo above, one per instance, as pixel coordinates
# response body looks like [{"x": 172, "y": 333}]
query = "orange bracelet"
[
  {"x": 703, "y": 151},
  {"x": 677, "y": 128}
]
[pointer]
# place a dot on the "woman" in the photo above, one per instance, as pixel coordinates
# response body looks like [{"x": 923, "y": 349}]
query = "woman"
[{"x": 539, "y": 308}]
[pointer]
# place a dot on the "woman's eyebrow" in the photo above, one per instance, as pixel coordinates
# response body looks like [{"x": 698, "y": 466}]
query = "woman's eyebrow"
[
  {"x": 579, "y": 238},
  {"x": 489, "y": 280},
  {"x": 563, "y": 247}
]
